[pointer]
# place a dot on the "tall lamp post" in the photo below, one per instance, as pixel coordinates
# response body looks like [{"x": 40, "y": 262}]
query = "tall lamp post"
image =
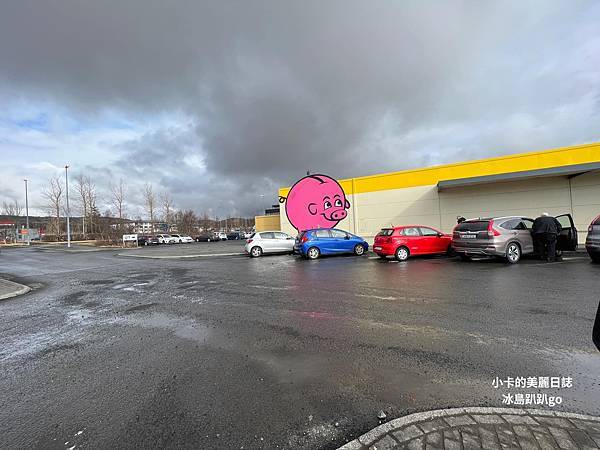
[
  {"x": 27, "y": 213},
  {"x": 68, "y": 210}
]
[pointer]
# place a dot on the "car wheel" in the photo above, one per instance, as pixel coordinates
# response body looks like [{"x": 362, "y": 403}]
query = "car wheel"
[
  {"x": 145, "y": 243},
  {"x": 256, "y": 251},
  {"x": 313, "y": 253},
  {"x": 359, "y": 250},
  {"x": 402, "y": 253},
  {"x": 513, "y": 253},
  {"x": 465, "y": 257}
]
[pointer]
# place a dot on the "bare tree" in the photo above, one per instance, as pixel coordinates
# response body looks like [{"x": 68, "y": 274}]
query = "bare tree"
[
  {"x": 13, "y": 208},
  {"x": 87, "y": 201},
  {"x": 53, "y": 194},
  {"x": 186, "y": 222},
  {"x": 167, "y": 208},
  {"x": 118, "y": 199},
  {"x": 150, "y": 202}
]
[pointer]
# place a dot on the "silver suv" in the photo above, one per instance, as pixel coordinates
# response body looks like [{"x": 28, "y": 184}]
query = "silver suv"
[{"x": 507, "y": 237}]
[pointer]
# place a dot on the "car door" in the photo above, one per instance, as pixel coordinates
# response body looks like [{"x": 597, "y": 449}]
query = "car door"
[
  {"x": 285, "y": 243},
  {"x": 341, "y": 241},
  {"x": 567, "y": 239},
  {"x": 324, "y": 241},
  {"x": 430, "y": 241},
  {"x": 523, "y": 228},
  {"x": 268, "y": 242},
  {"x": 412, "y": 237}
]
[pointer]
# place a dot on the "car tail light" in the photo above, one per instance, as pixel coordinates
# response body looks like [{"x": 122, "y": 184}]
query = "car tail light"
[
  {"x": 304, "y": 239},
  {"x": 249, "y": 241},
  {"x": 491, "y": 231}
]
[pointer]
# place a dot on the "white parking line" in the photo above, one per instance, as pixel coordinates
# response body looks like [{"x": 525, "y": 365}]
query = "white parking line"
[{"x": 205, "y": 255}]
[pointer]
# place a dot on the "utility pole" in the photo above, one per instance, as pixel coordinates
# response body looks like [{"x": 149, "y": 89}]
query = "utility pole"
[
  {"x": 27, "y": 213},
  {"x": 68, "y": 210}
]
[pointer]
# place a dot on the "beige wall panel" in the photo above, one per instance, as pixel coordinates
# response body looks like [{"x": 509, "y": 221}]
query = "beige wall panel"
[
  {"x": 396, "y": 207},
  {"x": 526, "y": 197},
  {"x": 267, "y": 223},
  {"x": 585, "y": 192}
]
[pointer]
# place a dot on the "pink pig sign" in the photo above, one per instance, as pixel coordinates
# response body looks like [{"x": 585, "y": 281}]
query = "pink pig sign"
[{"x": 315, "y": 201}]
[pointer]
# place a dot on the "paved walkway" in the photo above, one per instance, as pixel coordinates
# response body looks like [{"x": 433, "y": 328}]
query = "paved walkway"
[
  {"x": 484, "y": 428},
  {"x": 11, "y": 289}
]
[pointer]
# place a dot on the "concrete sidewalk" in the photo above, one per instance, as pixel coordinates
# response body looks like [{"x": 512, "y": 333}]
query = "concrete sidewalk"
[
  {"x": 483, "y": 428},
  {"x": 10, "y": 289}
]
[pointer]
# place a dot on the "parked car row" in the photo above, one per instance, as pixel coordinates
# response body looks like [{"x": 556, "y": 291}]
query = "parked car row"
[
  {"x": 507, "y": 237},
  {"x": 222, "y": 236},
  {"x": 164, "y": 239},
  {"x": 310, "y": 243}
]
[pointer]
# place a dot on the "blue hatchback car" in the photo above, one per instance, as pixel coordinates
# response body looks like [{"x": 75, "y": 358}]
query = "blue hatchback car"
[{"x": 314, "y": 243}]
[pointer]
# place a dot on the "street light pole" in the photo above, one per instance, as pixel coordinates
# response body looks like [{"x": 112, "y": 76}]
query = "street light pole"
[
  {"x": 27, "y": 213},
  {"x": 68, "y": 210}
]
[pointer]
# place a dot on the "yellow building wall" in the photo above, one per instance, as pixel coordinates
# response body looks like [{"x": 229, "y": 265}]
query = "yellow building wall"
[
  {"x": 411, "y": 196},
  {"x": 267, "y": 223}
]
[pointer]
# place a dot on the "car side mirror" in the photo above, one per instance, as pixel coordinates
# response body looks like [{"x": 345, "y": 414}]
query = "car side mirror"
[
  {"x": 440, "y": 234},
  {"x": 347, "y": 237}
]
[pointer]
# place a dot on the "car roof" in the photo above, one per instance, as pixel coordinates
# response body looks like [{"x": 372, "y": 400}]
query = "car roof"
[
  {"x": 400, "y": 227},
  {"x": 481, "y": 219},
  {"x": 317, "y": 229}
]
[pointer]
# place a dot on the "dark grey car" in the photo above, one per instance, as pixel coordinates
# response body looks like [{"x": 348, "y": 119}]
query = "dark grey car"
[{"x": 592, "y": 242}]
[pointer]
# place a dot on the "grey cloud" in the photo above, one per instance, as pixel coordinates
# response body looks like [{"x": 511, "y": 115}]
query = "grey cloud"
[{"x": 272, "y": 89}]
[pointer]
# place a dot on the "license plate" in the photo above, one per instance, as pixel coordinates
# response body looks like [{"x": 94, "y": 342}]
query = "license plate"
[
  {"x": 469, "y": 236},
  {"x": 376, "y": 248}
]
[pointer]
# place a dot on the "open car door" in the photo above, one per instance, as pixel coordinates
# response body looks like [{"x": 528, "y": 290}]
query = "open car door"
[{"x": 567, "y": 239}]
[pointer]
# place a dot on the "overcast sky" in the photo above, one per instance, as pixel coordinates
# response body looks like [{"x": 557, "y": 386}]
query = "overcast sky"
[{"x": 222, "y": 102}]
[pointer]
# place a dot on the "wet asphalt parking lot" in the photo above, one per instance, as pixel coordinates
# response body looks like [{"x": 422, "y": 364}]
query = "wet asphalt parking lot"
[{"x": 276, "y": 352}]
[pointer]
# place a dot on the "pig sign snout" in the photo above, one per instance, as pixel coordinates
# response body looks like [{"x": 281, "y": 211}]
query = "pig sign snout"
[{"x": 339, "y": 214}]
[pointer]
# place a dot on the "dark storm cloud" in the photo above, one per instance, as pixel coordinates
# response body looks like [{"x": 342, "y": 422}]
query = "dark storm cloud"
[{"x": 271, "y": 89}]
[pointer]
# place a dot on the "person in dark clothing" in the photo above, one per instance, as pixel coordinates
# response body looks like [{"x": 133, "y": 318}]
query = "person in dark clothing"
[
  {"x": 460, "y": 219},
  {"x": 545, "y": 231}
]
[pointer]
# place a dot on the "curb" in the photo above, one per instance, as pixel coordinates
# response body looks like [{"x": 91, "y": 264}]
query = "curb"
[
  {"x": 379, "y": 432},
  {"x": 18, "y": 289},
  {"x": 205, "y": 255}
]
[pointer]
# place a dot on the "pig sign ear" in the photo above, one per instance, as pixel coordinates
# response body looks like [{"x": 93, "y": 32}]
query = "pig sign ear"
[
  {"x": 282, "y": 199},
  {"x": 347, "y": 204},
  {"x": 312, "y": 208}
]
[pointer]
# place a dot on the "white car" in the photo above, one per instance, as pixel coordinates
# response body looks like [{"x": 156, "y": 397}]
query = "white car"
[
  {"x": 165, "y": 239},
  {"x": 181, "y": 239},
  {"x": 222, "y": 236},
  {"x": 269, "y": 242}
]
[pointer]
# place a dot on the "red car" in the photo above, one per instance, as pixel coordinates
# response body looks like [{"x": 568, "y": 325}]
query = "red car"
[{"x": 410, "y": 240}]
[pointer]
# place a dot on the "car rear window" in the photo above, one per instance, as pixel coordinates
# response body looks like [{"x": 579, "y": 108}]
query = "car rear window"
[
  {"x": 474, "y": 225},
  {"x": 386, "y": 232}
]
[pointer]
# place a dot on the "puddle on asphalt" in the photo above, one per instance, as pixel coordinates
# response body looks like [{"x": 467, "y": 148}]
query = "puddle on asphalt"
[{"x": 184, "y": 328}]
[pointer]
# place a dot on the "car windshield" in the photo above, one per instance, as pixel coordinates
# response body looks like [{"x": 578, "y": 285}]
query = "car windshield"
[
  {"x": 386, "y": 232},
  {"x": 473, "y": 225}
]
